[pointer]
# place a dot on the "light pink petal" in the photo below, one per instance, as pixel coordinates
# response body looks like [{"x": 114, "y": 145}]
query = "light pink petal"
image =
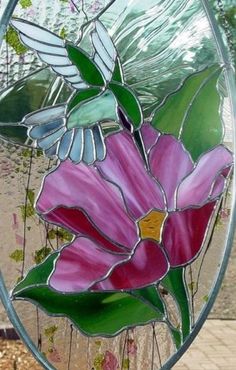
[
  {"x": 81, "y": 264},
  {"x": 125, "y": 167},
  {"x": 147, "y": 266},
  {"x": 169, "y": 163},
  {"x": 149, "y": 135},
  {"x": 195, "y": 188},
  {"x": 218, "y": 187},
  {"x": 81, "y": 186},
  {"x": 184, "y": 233}
]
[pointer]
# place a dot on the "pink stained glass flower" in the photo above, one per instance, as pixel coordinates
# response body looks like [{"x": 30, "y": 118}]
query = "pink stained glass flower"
[{"x": 131, "y": 224}]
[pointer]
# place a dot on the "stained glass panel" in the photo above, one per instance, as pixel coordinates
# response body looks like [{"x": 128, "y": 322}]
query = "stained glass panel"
[{"x": 116, "y": 165}]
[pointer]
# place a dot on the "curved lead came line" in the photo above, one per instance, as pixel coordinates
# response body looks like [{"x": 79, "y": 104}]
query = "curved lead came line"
[
  {"x": 39, "y": 47},
  {"x": 34, "y": 31},
  {"x": 50, "y": 140},
  {"x": 101, "y": 51},
  {"x": 65, "y": 145}
]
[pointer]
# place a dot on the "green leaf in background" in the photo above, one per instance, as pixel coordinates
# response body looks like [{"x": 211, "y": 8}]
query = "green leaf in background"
[
  {"x": 25, "y": 3},
  {"x": 12, "y": 39},
  {"x": 94, "y": 313},
  {"x": 192, "y": 113},
  {"x": 17, "y": 255},
  {"x": 128, "y": 102},
  {"x": 89, "y": 71},
  {"x": 174, "y": 283}
]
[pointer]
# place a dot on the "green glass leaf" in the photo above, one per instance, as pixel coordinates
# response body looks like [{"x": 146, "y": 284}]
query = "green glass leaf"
[
  {"x": 94, "y": 313},
  {"x": 174, "y": 283},
  {"x": 89, "y": 72},
  {"x": 192, "y": 113},
  {"x": 82, "y": 96},
  {"x": 151, "y": 294},
  {"x": 128, "y": 102},
  {"x": 37, "y": 275}
]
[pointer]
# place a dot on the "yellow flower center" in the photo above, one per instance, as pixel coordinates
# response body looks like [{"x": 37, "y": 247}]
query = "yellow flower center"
[{"x": 151, "y": 225}]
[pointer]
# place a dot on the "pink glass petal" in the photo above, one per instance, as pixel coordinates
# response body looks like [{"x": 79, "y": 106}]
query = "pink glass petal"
[
  {"x": 81, "y": 186},
  {"x": 195, "y": 188},
  {"x": 147, "y": 266},
  {"x": 169, "y": 163},
  {"x": 78, "y": 223},
  {"x": 150, "y": 136},
  {"x": 218, "y": 187},
  {"x": 125, "y": 167},
  {"x": 80, "y": 264},
  {"x": 184, "y": 233}
]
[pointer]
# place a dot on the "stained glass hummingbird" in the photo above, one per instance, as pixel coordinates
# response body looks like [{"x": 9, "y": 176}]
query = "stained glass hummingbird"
[{"x": 74, "y": 129}]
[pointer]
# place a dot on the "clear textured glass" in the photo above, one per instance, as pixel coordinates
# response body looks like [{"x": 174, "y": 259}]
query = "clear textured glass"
[{"x": 116, "y": 170}]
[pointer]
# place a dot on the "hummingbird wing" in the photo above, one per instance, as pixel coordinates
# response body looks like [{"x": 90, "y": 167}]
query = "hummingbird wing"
[
  {"x": 105, "y": 53},
  {"x": 47, "y": 127},
  {"x": 51, "y": 49}
]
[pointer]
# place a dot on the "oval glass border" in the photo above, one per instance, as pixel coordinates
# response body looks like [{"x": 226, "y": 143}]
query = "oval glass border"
[{"x": 224, "y": 59}]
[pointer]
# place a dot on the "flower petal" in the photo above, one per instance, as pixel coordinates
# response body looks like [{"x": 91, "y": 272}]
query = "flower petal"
[
  {"x": 81, "y": 186},
  {"x": 80, "y": 264},
  {"x": 169, "y": 163},
  {"x": 78, "y": 223},
  {"x": 147, "y": 266},
  {"x": 125, "y": 167},
  {"x": 195, "y": 188},
  {"x": 150, "y": 135},
  {"x": 184, "y": 233}
]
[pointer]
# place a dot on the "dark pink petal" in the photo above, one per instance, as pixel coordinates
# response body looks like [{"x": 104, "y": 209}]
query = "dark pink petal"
[
  {"x": 169, "y": 163},
  {"x": 150, "y": 135},
  {"x": 78, "y": 223},
  {"x": 184, "y": 233},
  {"x": 125, "y": 167},
  {"x": 196, "y": 188},
  {"x": 147, "y": 266},
  {"x": 80, "y": 264},
  {"x": 81, "y": 186}
]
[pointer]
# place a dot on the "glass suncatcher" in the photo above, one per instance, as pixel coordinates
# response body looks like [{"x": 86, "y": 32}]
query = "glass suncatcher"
[{"x": 116, "y": 125}]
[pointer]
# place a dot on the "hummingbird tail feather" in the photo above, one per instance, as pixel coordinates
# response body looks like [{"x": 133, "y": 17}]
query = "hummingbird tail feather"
[
  {"x": 89, "y": 154},
  {"x": 77, "y": 147},
  {"x": 100, "y": 146}
]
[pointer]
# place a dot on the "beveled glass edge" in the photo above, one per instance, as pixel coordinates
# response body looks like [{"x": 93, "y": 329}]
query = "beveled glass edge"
[{"x": 228, "y": 70}]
